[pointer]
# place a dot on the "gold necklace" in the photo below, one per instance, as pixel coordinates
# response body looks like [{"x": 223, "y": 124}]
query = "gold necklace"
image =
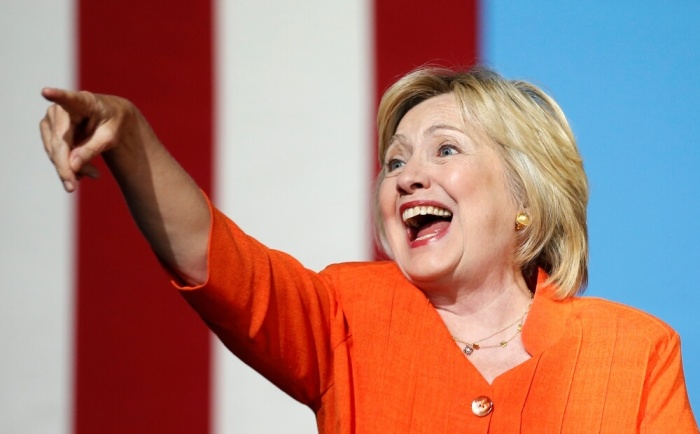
[{"x": 470, "y": 347}]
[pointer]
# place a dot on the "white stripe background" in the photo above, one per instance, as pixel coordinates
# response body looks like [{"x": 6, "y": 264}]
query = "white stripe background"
[
  {"x": 292, "y": 165},
  {"x": 36, "y": 49}
]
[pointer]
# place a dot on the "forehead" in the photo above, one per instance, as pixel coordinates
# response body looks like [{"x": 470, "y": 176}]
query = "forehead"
[{"x": 438, "y": 110}]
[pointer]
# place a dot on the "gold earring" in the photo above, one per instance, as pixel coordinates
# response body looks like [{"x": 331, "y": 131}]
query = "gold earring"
[{"x": 522, "y": 220}]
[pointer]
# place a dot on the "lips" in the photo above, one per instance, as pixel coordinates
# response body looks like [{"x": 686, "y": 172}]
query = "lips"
[{"x": 425, "y": 221}]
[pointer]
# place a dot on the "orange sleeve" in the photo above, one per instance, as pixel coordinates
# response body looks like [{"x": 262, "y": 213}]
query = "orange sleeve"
[
  {"x": 269, "y": 310},
  {"x": 665, "y": 404}
]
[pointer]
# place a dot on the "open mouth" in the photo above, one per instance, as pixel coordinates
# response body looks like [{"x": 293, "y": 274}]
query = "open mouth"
[{"x": 425, "y": 222}]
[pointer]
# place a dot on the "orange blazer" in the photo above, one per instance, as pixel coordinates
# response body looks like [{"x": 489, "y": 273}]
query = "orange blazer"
[{"x": 365, "y": 350}]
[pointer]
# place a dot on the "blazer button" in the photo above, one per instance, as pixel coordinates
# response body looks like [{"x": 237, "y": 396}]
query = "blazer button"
[{"x": 482, "y": 406}]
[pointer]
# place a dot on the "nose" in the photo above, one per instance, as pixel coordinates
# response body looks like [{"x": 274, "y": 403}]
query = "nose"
[{"x": 413, "y": 177}]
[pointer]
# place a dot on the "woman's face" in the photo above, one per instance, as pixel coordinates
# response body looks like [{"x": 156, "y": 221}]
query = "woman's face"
[{"x": 447, "y": 212}]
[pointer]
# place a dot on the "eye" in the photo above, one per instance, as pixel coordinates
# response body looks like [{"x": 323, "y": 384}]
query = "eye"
[
  {"x": 394, "y": 164},
  {"x": 447, "y": 150}
]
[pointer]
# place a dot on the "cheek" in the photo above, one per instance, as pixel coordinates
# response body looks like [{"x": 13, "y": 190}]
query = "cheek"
[
  {"x": 484, "y": 199},
  {"x": 386, "y": 200},
  {"x": 385, "y": 215}
]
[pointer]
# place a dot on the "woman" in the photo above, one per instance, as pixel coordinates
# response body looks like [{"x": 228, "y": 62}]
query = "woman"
[{"x": 473, "y": 327}]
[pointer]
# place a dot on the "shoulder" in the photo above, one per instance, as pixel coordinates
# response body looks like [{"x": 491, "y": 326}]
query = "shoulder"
[
  {"x": 372, "y": 288},
  {"x": 601, "y": 317}
]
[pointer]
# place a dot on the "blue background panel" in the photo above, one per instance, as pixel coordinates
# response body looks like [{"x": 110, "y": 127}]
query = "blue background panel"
[{"x": 626, "y": 75}]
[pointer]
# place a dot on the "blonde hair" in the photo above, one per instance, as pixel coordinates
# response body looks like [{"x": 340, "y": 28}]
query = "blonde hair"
[{"x": 544, "y": 169}]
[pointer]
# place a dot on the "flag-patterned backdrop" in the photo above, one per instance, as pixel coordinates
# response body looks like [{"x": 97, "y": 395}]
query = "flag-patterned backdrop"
[{"x": 270, "y": 105}]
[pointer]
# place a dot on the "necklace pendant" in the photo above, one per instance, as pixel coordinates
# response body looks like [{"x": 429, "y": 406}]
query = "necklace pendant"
[
  {"x": 468, "y": 349},
  {"x": 504, "y": 344}
]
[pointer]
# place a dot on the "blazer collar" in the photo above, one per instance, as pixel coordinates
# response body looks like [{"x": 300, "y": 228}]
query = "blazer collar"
[{"x": 546, "y": 322}]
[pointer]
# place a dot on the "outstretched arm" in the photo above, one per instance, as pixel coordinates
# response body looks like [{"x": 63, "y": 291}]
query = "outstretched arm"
[{"x": 165, "y": 202}]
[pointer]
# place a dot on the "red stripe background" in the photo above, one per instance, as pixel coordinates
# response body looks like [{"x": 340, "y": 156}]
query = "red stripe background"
[
  {"x": 142, "y": 357},
  {"x": 412, "y": 33}
]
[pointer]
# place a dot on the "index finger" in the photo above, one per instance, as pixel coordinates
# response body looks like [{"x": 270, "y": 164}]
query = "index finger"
[{"x": 79, "y": 105}]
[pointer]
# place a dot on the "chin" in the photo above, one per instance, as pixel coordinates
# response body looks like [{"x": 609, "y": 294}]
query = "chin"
[
  {"x": 427, "y": 272},
  {"x": 425, "y": 262}
]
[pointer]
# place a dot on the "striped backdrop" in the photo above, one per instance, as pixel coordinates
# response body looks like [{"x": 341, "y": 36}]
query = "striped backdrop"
[{"x": 270, "y": 106}]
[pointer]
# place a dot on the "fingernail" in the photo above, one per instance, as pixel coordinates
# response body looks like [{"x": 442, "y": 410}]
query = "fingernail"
[
  {"x": 68, "y": 185},
  {"x": 92, "y": 173}
]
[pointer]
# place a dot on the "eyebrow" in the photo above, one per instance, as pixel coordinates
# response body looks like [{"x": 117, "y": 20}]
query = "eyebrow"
[
  {"x": 428, "y": 132},
  {"x": 434, "y": 128}
]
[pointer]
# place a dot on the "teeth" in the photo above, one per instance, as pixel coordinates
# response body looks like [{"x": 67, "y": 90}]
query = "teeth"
[{"x": 424, "y": 210}]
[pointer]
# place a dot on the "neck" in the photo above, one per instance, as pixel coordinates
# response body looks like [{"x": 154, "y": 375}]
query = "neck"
[
  {"x": 469, "y": 296},
  {"x": 478, "y": 309}
]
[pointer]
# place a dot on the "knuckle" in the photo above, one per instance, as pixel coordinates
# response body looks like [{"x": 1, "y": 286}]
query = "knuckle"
[
  {"x": 52, "y": 148},
  {"x": 47, "y": 148},
  {"x": 88, "y": 97}
]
